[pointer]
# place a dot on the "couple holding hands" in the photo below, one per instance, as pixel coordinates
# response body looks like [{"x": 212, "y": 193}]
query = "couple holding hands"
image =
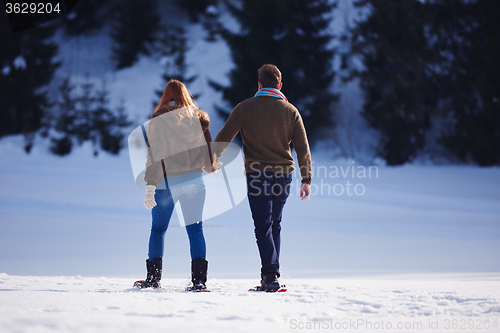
[{"x": 180, "y": 147}]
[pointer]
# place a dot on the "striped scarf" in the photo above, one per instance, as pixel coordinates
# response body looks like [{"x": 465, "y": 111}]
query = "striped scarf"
[{"x": 271, "y": 92}]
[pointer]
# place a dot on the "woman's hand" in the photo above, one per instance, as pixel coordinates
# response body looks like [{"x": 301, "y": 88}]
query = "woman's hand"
[{"x": 149, "y": 197}]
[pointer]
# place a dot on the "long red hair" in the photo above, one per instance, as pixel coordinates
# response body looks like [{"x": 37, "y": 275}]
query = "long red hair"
[{"x": 176, "y": 91}]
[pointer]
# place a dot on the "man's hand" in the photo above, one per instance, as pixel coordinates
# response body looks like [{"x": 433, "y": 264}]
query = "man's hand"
[
  {"x": 216, "y": 167},
  {"x": 149, "y": 197},
  {"x": 305, "y": 191}
]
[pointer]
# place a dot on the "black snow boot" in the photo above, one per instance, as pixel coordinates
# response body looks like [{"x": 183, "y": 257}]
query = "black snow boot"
[
  {"x": 153, "y": 276},
  {"x": 270, "y": 282},
  {"x": 199, "y": 268}
]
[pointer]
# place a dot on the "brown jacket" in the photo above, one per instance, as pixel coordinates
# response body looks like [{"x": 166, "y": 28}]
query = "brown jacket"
[
  {"x": 268, "y": 125},
  {"x": 176, "y": 146}
]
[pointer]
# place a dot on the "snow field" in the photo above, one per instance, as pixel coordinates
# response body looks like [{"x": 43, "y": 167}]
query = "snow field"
[
  {"x": 85, "y": 304},
  {"x": 81, "y": 215}
]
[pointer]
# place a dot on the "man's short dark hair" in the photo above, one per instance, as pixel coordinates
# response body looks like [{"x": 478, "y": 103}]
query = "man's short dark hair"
[{"x": 270, "y": 76}]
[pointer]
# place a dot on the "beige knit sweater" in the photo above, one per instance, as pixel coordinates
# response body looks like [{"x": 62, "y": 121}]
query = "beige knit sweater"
[{"x": 268, "y": 125}]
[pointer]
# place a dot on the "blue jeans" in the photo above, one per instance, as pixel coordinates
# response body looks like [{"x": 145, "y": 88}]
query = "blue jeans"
[
  {"x": 267, "y": 193},
  {"x": 191, "y": 198}
]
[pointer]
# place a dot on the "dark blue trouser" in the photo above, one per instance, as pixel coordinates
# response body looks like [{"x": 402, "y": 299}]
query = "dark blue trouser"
[{"x": 267, "y": 194}]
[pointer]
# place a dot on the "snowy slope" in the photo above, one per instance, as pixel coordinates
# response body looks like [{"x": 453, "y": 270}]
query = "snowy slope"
[{"x": 89, "y": 57}]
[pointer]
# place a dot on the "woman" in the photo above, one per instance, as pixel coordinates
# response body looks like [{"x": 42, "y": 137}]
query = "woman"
[{"x": 178, "y": 150}]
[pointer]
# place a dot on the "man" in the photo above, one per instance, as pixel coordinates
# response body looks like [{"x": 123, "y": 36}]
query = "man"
[{"x": 268, "y": 124}]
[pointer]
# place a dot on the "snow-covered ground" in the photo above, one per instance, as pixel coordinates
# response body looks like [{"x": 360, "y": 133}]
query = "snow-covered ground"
[
  {"x": 81, "y": 215},
  {"x": 426, "y": 303},
  {"x": 417, "y": 243}
]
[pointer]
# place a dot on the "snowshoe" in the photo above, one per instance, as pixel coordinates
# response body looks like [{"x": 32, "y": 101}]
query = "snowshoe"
[{"x": 269, "y": 284}]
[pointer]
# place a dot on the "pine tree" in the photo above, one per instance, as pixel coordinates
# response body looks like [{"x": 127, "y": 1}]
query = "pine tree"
[
  {"x": 293, "y": 35},
  {"x": 27, "y": 66},
  {"x": 88, "y": 16},
  {"x": 107, "y": 125},
  {"x": 85, "y": 120},
  {"x": 87, "y": 117},
  {"x": 468, "y": 33},
  {"x": 65, "y": 123},
  {"x": 195, "y": 8},
  {"x": 134, "y": 30},
  {"x": 111, "y": 133},
  {"x": 172, "y": 47},
  {"x": 401, "y": 92}
]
